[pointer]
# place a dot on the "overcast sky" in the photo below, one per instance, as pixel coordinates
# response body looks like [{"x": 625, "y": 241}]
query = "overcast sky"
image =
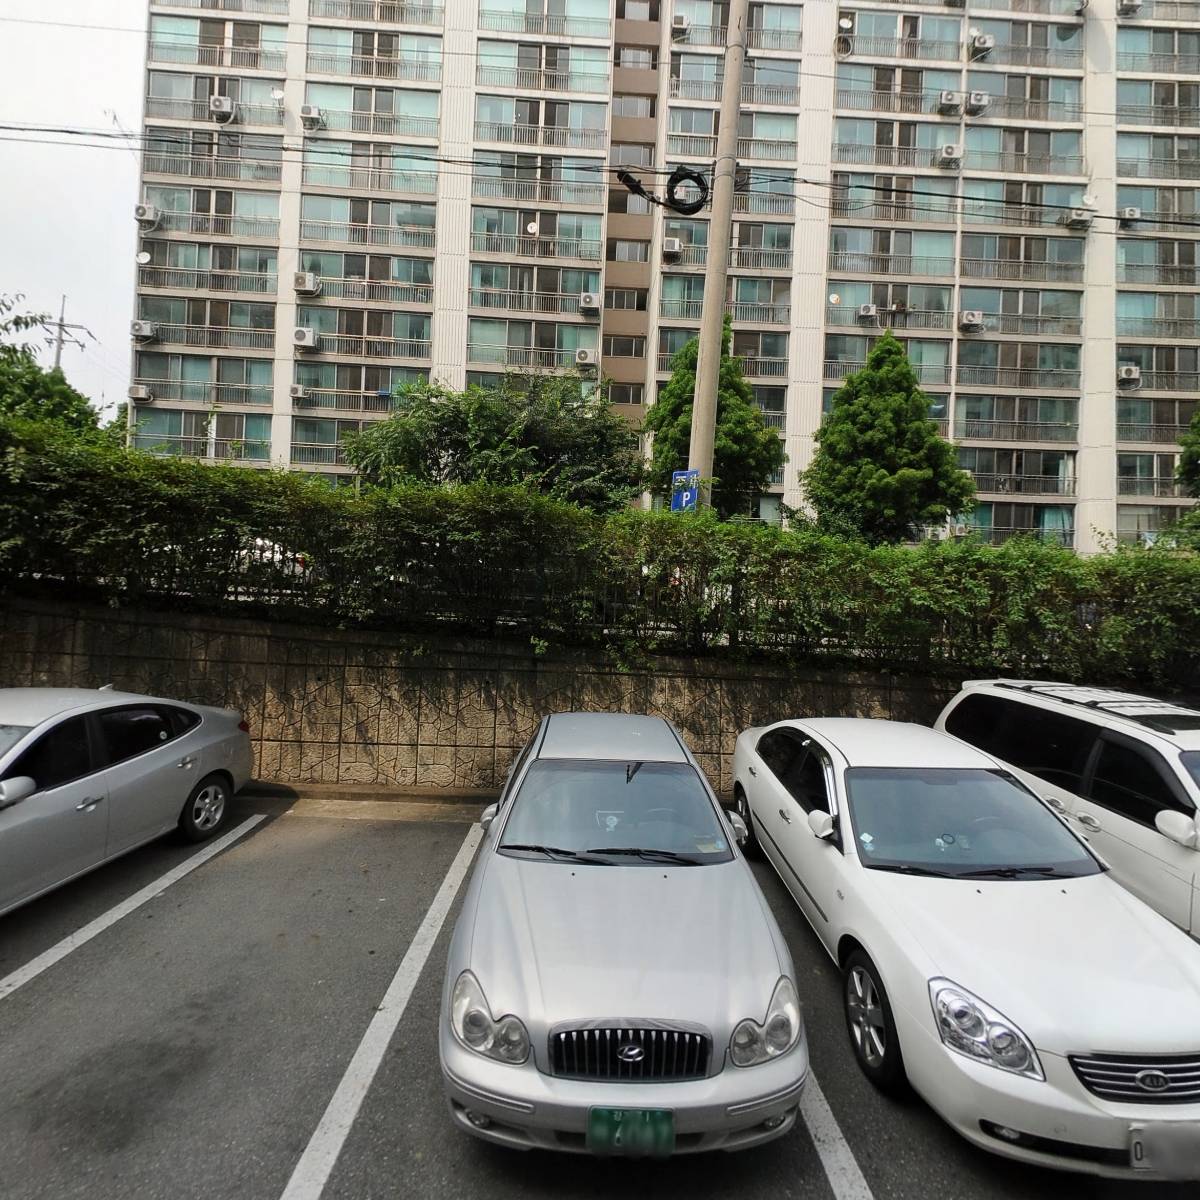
[{"x": 66, "y": 212}]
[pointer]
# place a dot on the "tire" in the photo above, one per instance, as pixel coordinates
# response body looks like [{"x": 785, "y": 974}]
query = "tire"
[
  {"x": 207, "y": 809},
  {"x": 751, "y": 849},
  {"x": 870, "y": 1025}
]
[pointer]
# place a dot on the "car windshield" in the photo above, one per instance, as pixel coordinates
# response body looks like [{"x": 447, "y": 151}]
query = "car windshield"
[
  {"x": 1191, "y": 764},
  {"x": 974, "y": 824},
  {"x": 10, "y": 735},
  {"x": 635, "y": 813}
]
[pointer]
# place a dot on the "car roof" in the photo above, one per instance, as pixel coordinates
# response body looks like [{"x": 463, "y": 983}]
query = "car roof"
[
  {"x": 1175, "y": 723},
  {"x": 32, "y": 706},
  {"x": 868, "y": 742},
  {"x": 626, "y": 737}
]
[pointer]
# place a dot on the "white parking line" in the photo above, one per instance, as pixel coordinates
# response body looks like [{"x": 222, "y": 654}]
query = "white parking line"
[
  {"x": 47, "y": 959},
  {"x": 321, "y": 1154},
  {"x": 841, "y": 1167}
]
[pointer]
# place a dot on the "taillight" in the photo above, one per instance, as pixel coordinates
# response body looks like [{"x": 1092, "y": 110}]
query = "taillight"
[{"x": 243, "y": 726}]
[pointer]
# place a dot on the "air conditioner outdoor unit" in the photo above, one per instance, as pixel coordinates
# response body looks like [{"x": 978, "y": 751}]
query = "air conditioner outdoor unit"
[
  {"x": 304, "y": 337},
  {"x": 311, "y": 116},
  {"x": 868, "y": 312},
  {"x": 1129, "y": 8},
  {"x": 981, "y": 44},
  {"x": 977, "y": 102},
  {"x": 934, "y": 533},
  {"x": 307, "y": 283},
  {"x": 949, "y": 155},
  {"x": 589, "y": 302},
  {"x": 587, "y": 358},
  {"x": 949, "y": 102},
  {"x": 139, "y": 393},
  {"x": 961, "y": 530},
  {"x": 672, "y": 248},
  {"x": 1130, "y": 216},
  {"x": 970, "y": 320},
  {"x": 147, "y": 216},
  {"x": 222, "y": 108},
  {"x": 1128, "y": 373},
  {"x": 143, "y": 331},
  {"x": 679, "y": 26},
  {"x": 1078, "y": 218},
  {"x": 298, "y": 391}
]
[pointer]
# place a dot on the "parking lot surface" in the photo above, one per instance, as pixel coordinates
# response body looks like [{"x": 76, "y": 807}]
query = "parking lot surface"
[{"x": 192, "y": 1046}]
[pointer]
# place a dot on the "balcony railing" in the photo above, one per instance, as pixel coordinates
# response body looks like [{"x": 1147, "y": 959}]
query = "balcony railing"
[
  {"x": 764, "y": 202},
  {"x": 1033, "y": 269},
  {"x": 692, "y": 145},
  {"x": 266, "y": 7},
  {"x": 886, "y": 156},
  {"x": 346, "y": 401},
  {"x": 552, "y": 24},
  {"x": 308, "y": 454},
  {"x": 1167, "y": 219},
  {"x": 1163, "y": 486},
  {"x": 1170, "y": 381},
  {"x": 215, "y": 225},
  {"x": 1016, "y": 431},
  {"x": 921, "y": 209},
  {"x": 520, "y": 356},
  {"x": 209, "y": 394},
  {"x": 207, "y": 280},
  {"x": 537, "y": 247},
  {"x": 773, "y": 419},
  {"x": 215, "y": 336},
  {"x": 532, "y": 79},
  {"x": 935, "y": 373},
  {"x": 376, "y": 289},
  {"x": 774, "y": 149},
  {"x": 756, "y": 367},
  {"x": 663, "y": 361},
  {"x": 1172, "y": 64},
  {"x": 367, "y": 235},
  {"x": 524, "y": 301},
  {"x": 772, "y": 39},
  {"x": 1171, "y": 10},
  {"x": 1024, "y": 164},
  {"x": 756, "y": 314},
  {"x": 260, "y": 170},
  {"x": 862, "y": 100},
  {"x": 897, "y": 47},
  {"x": 1169, "y": 327},
  {"x": 787, "y": 94},
  {"x": 387, "y": 124},
  {"x": 224, "y": 449},
  {"x": 1017, "y": 377},
  {"x": 1180, "y": 274},
  {"x": 1049, "y": 7},
  {"x": 1159, "y": 168},
  {"x": 1150, "y": 432},
  {"x": 368, "y": 66},
  {"x": 1019, "y": 108},
  {"x": 1025, "y": 485},
  {"x": 846, "y": 315},
  {"x": 1013, "y": 54},
  {"x": 990, "y": 212},
  {"x": 370, "y": 179},
  {"x": 698, "y": 89},
  {"x": 890, "y": 264},
  {"x": 998, "y": 534},
  {"x": 373, "y": 347},
  {"x": 384, "y": 12},
  {"x": 1159, "y": 114},
  {"x": 760, "y": 258},
  {"x": 539, "y": 191},
  {"x": 175, "y": 108},
  {"x": 239, "y": 58},
  {"x": 540, "y": 135},
  {"x": 1020, "y": 323}
]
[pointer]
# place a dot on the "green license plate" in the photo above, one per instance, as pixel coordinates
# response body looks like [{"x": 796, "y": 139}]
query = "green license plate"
[{"x": 631, "y": 1132}]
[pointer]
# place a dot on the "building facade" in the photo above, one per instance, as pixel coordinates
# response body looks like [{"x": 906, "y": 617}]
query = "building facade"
[{"x": 342, "y": 195}]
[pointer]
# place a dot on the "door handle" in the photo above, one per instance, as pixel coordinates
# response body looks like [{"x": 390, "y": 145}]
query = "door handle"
[
  {"x": 1055, "y": 803},
  {"x": 1088, "y": 821},
  {"x": 785, "y": 815},
  {"x": 186, "y": 763},
  {"x": 752, "y": 771},
  {"x": 88, "y": 804}
]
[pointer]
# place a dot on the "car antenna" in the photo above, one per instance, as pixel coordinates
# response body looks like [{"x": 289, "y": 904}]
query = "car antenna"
[{"x": 108, "y": 687}]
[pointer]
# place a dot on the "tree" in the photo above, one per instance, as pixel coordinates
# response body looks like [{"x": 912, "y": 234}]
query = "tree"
[
  {"x": 1188, "y": 471},
  {"x": 542, "y": 432},
  {"x": 881, "y": 466},
  {"x": 745, "y": 452}
]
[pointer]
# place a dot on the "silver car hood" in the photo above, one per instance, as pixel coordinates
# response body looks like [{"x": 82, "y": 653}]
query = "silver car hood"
[{"x": 556, "y": 942}]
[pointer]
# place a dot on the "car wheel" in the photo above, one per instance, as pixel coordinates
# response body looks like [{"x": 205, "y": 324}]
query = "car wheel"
[
  {"x": 751, "y": 848},
  {"x": 870, "y": 1025},
  {"x": 206, "y": 809}
]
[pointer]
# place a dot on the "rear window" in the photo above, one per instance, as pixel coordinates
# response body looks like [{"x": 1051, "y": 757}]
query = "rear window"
[{"x": 180, "y": 719}]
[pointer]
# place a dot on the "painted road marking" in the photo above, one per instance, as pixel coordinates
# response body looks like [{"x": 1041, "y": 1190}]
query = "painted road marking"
[
  {"x": 47, "y": 959},
  {"x": 321, "y": 1154},
  {"x": 841, "y": 1167}
]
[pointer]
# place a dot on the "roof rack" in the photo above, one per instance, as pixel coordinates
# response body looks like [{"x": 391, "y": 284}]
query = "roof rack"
[{"x": 1117, "y": 704}]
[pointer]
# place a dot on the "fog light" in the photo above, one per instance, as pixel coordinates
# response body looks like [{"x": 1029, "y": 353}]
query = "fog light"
[
  {"x": 479, "y": 1120},
  {"x": 1003, "y": 1131},
  {"x": 774, "y": 1122}
]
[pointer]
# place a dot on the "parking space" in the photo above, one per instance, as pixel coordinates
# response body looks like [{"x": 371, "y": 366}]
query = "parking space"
[{"x": 192, "y": 1048}]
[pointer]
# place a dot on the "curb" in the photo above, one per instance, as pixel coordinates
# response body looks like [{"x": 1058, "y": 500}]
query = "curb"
[{"x": 266, "y": 790}]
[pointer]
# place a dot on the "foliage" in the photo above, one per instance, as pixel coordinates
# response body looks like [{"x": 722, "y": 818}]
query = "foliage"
[
  {"x": 1188, "y": 471},
  {"x": 539, "y": 432},
  {"x": 745, "y": 452},
  {"x": 89, "y": 520},
  {"x": 881, "y": 464}
]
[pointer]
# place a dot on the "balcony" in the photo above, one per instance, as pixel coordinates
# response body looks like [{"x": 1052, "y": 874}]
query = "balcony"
[
  {"x": 1166, "y": 219},
  {"x": 1021, "y": 324},
  {"x": 520, "y": 356},
  {"x": 1023, "y": 485},
  {"x": 698, "y": 89},
  {"x": 539, "y": 191},
  {"x": 216, "y": 225},
  {"x": 223, "y": 449},
  {"x": 369, "y": 179},
  {"x": 846, "y": 316},
  {"x": 215, "y": 337},
  {"x": 1031, "y": 269},
  {"x": 993, "y": 212},
  {"x": 547, "y": 24},
  {"x": 886, "y": 156},
  {"x": 381, "y": 290},
  {"x": 191, "y": 279},
  {"x": 372, "y": 347},
  {"x": 1159, "y": 114},
  {"x": 755, "y": 314},
  {"x": 209, "y": 394},
  {"x": 1159, "y": 168},
  {"x": 935, "y": 373},
  {"x": 382, "y": 12},
  {"x": 1060, "y": 8},
  {"x": 247, "y": 170},
  {"x": 1171, "y": 64},
  {"x": 1012, "y": 54},
  {"x": 386, "y": 124},
  {"x": 1179, "y": 274},
  {"x": 760, "y": 258},
  {"x": 663, "y": 362},
  {"x": 1024, "y": 164},
  {"x": 764, "y": 202},
  {"x": 238, "y": 58},
  {"x": 1150, "y": 433},
  {"x": 778, "y": 94},
  {"x": 1161, "y": 486},
  {"x": 1171, "y": 10},
  {"x": 1017, "y": 377},
  {"x": 706, "y": 35},
  {"x": 891, "y": 264},
  {"x": 345, "y": 401},
  {"x": 1168, "y": 327},
  {"x": 537, "y": 247},
  {"x": 860, "y": 100},
  {"x": 541, "y": 135},
  {"x": 773, "y": 39},
  {"x": 1016, "y": 431},
  {"x": 367, "y": 235},
  {"x": 996, "y": 535},
  {"x": 927, "y": 210},
  {"x": 772, "y": 418},
  {"x": 692, "y": 145},
  {"x": 310, "y": 454},
  {"x": 275, "y": 8},
  {"x": 180, "y": 109},
  {"x": 772, "y": 149},
  {"x": 531, "y": 79},
  {"x": 1170, "y": 381},
  {"x": 909, "y": 48},
  {"x": 756, "y": 367},
  {"x": 559, "y": 303},
  {"x": 366, "y": 66},
  {"x": 1021, "y": 109}
]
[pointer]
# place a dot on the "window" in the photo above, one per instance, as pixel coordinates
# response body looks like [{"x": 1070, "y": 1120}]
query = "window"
[
  {"x": 1131, "y": 782},
  {"x": 619, "y": 346},
  {"x": 630, "y": 299},
  {"x": 637, "y": 10},
  {"x": 804, "y": 778},
  {"x": 622, "y": 250},
  {"x": 626, "y": 393},
  {"x": 641, "y": 58},
  {"x": 181, "y": 719},
  {"x": 632, "y": 154},
  {"x": 128, "y": 732},
  {"x": 57, "y": 757},
  {"x": 634, "y": 106},
  {"x": 622, "y": 201}
]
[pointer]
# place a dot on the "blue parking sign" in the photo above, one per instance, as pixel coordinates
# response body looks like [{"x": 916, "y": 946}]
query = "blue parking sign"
[{"x": 685, "y": 489}]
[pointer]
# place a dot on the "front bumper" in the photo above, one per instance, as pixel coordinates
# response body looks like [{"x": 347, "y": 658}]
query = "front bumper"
[
  {"x": 524, "y": 1109},
  {"x": 1063, "y": 1126}
]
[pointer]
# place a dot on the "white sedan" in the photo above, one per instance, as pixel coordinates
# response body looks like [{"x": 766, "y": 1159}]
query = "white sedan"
[
  {"x": 86, "y": 776},
  {"x": 988, "y": 958}
]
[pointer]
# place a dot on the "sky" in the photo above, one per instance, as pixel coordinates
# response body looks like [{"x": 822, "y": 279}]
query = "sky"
[{"x": 66, "y": 211}]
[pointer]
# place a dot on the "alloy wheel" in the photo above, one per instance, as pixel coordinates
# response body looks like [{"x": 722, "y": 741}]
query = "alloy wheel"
[
  {"x": 208, "y": 807},
  {"x": 866, "y": 1017}
]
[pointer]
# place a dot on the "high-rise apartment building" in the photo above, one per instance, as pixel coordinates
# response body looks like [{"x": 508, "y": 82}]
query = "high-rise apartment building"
[{"x": 341, "y": 195}]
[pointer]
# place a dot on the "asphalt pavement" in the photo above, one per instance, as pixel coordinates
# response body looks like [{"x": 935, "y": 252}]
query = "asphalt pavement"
[{"x": 192, "y": 1047}]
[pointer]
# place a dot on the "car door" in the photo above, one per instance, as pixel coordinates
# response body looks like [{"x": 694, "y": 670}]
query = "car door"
[
  {"x": 61, "y": 829},
  {"x": 149, "y": 772},
  {"x": 775, "y": 749},
  {"x": 1127, "y": 786}
]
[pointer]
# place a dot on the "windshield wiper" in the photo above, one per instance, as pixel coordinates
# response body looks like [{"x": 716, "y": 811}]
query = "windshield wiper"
[
  {"x": 553, "y": 852},
  {"x": 910, "y": 869},
  {"x": 1016, "y": 873},
  {"x": 669, "y": 856}
]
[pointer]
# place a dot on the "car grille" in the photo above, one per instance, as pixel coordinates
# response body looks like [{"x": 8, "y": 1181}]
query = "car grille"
[
  {"x": 1124, "y": 1077},
  {"x": 667, "y": 1055}
]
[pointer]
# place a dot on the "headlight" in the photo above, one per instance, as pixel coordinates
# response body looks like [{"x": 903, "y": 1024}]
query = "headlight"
[
  {"x": 473, "y": 1024},
  {"x": 975, "y": 1029},
  {"x": 754, "y": 1043}
]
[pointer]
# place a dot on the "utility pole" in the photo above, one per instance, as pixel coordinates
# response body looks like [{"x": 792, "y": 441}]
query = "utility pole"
[
  {"x": 716, "y": 269},
  {"x": 61, "y": 335}
]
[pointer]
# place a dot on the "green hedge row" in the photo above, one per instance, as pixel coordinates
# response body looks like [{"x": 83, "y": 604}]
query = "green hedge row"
[{"x": 94, "y": 521}]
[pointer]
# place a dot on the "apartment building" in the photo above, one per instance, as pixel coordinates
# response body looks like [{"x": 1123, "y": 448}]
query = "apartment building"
[{"x": 342, "y": 195}]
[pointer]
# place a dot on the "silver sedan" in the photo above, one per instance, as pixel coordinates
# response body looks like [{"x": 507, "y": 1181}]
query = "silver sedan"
[
  {"x": 616, "y": 983},
  {"x": 86, "y": 776}
]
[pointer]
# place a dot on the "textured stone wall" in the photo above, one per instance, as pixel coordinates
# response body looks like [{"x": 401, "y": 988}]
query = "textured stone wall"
[{"x": 327, "y": 706}]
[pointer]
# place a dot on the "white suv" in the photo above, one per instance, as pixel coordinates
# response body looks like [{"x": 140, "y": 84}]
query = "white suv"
[{"x": 1123, "y": 769}]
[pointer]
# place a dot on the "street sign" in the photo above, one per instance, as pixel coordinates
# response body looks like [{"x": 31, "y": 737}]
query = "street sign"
[{"x": 685, "y": 488}]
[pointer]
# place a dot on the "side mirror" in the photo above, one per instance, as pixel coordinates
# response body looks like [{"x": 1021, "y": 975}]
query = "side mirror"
[
  {"x": 488, "y": 816},
  {"x": 821, "y": 824},
  {"x": 740, "y": 832},
  {"x": 1178, "y": 828},
  {"x": 14, "y": 790}
]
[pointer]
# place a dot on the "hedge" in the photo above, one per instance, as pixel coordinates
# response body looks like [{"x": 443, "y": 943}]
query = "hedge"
[{"x": 92, "y": 521}]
